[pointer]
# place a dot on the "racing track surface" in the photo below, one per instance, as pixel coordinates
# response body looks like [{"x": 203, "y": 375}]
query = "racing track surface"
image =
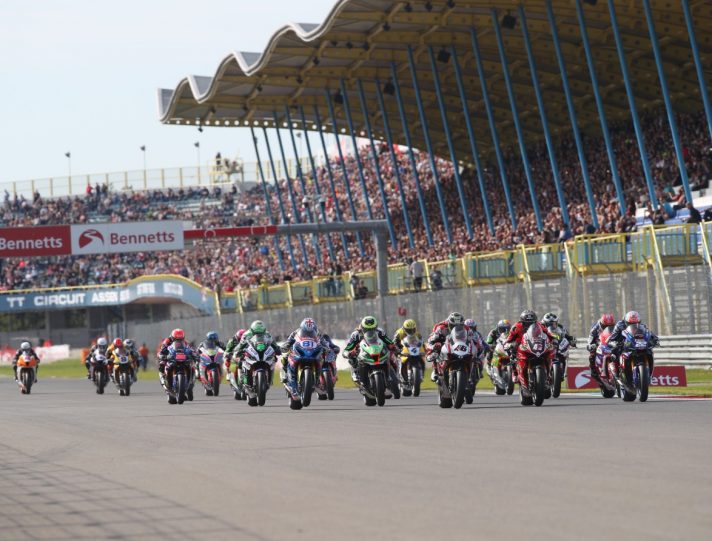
[{"x": 75, "y": 465}]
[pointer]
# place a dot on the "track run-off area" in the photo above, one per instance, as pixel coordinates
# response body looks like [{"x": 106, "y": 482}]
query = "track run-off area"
[{"x": 76, "y": 465}]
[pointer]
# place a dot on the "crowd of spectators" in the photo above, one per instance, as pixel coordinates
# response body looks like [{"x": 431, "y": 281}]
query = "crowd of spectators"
[{"x": 324, "y": 194}]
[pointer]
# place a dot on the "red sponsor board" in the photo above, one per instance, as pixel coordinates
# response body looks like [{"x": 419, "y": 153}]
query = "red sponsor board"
[
  {"x": 35, "y": 241},
  {"x": 578, "y": 377}
]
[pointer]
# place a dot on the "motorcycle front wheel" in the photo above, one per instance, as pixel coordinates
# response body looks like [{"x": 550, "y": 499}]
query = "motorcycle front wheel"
[
  {"x": 556, "y": 377},
  {"x": 643, "y": 381},
  {"x": 307, "y": 386},
  {"x": 180, "y": 388},
  {"x": 540, "y": 386},
  {"x": 261, "y": 384},
  {"x": 417, "y": 380},
  {"x": 458, "y": 387},
  {"x": 27, "y": 378},
  {"x": 378, "y": 384}
]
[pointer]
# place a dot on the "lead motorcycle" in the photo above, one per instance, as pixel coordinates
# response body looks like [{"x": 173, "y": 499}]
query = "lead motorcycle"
[
  {"x": 123, "y": 372},
  {"x": 534, "y": 385},
  {"x": 26, "y": 371},
  {"x": 210, "y": 370},
  {"x": 501, "y": 369},
  {"x": 179, "y": 375},
  {"x": 304, "y": 360},
  {"x": 636, "y": 363},
  {"x": 607, "y": 367},
  {"x": 99, "y": 372},
  {"x": 412, "y": 359},
  {"x": 453, "y": 367},
  {"x": 373, "y": 362},
  {"x": 257, "y": 371}
]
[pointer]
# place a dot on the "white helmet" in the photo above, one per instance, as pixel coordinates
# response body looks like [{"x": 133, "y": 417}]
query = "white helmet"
[
  {"x": 102, "y": 343},
  {"x": 25, "y": 346},
  {"x": 128, "y": 343}
]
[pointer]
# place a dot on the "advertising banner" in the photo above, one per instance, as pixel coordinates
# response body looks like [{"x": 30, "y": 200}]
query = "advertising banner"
[
  {"x": 127, "y": 237},
  {"x": 35, "y": 241},
  {"x": 578, "y": 377},
  {"x": 144, "y": 289}
]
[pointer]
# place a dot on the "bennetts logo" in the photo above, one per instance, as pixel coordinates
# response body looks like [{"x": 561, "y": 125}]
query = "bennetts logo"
[
  {"x": 582, "y": 379},
  {"x": 89, "y": 236}
]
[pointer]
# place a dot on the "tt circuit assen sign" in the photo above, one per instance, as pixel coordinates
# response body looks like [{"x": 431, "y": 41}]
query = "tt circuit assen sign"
[{"x": 91, "y": 239}]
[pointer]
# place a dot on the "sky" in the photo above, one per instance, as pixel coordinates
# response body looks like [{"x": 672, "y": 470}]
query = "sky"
[{"x": 81, "y": 76}]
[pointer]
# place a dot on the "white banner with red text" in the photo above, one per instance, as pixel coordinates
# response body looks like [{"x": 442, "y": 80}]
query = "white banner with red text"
[{"x": 578, "y": 377}]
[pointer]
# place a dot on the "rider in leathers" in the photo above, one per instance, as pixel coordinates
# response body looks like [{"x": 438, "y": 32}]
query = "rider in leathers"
[
  {"x": 212, "y": 341},
  {"x": 631, "y": 318},
  {"x": 516, "y": 337},
  {"x": 307, "y": 329},
  {"x": 177, "y": 340},
  {"x": 481, "y": 346},
  {"x": 606, "y": 320},
  {"x": 25, "y": 347},
  {"x": 503, "y": 327},
  {"x": 230, "y": 350},
  {"x": 99, "y": 347},
  {"x": 369, "y": 323}
]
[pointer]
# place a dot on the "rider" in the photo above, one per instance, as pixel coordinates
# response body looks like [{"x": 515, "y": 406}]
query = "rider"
[
  {"x": 503, "y": 327},
  {"x": 551, "y": 322},
  {"x": 177, "y": 340},
  {"x": 480, "y": 345},
  {"x": 257, "y": 328},
  {"x": 409, "y": 328},
  {"x": 631, "y": 318},
  {"x": 369, "y": 323},
  {"x": 438, "y": 337},
  {"x": 212, "y": 341},
  {"x": 25, "y": 347},
  {"x": 99, "y": 347},
  {"x": 516, "y": 337},
  {"x": 230, "y": 349},
  {"x": 307, "y": 330},
  {"x": 130, "y": 347},
  {"x": 607, "y": 321}
]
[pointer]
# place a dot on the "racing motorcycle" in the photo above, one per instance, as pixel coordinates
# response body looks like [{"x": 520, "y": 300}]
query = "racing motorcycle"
[
  {"x": 453, "y": 367},
  {"x": 607, "y": 367},
  {"x": 374, "y": 362},
  {"x": 636, "y": 363},
  {"x": 26, "y": 371},
  {"x": 99, "y": 371},
  {"x": 559, "y": 364},
  {"x": 257, "y": 369},
  {"x": 305, "y": 361},
  {"x": 501, "y": 369},
  {"x": 123, "y": 372},
  {"x": 209, "y": 370},
  {"x": 327, "y": 378},
  {"x": 534, "y": 383},
  {"x": 412, "y": 359},
  {"x": 179, "y": 376}
]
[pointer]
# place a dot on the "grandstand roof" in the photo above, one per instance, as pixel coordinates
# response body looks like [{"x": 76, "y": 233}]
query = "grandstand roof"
[{"x": 361, "y": 38}]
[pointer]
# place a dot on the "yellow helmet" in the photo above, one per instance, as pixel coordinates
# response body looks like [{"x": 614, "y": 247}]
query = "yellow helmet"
[{"x": 409, "y": 326}]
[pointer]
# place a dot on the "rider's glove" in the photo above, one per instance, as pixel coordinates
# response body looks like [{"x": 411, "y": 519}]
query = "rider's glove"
[
  {"x": 655, "y": 342},
  {"x": 591, "y": 347}
]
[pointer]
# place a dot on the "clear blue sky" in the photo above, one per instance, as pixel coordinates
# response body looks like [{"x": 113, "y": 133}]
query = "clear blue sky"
[{"x": 81, "y": 75}]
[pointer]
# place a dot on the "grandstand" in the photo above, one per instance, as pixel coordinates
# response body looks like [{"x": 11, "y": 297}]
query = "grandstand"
[{"x": 496, "y": 140}]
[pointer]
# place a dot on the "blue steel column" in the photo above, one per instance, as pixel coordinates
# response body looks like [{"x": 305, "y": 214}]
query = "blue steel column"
[
  {"x": 544, "y": 120},
  {"x": 599, "y": 106},
  {"x": 698, "y": 64},
  {"x": 305, "y": 132},
  {"x": 428, "y": 144},
  {"x": 344, "y": 172},
  {"x": 631, "y": 103},
  {"x": 379, "y": 178},
  {"x": 359, "y": 166},
  {"x": 515, "y": 116},
  {"x": 279, "y": 198},
  {"x": 302, "y": 182},
  {"x": 266, "y": 192},
  {"x": 471, "y": 134},
  {"x": 572, "y": 114},
  {"x": 668, "y": 104},
  {"x": 330, "y": 174},
  {"x": 448, "y": 139},
  {"x": 394, "y": 160},
  {"x": 409, "y": 145},
  {"x": 493, "y": 127},
  {"x": 292, "y": 197}
]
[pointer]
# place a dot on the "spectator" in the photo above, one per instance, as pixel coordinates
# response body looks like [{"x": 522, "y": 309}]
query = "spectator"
[
  {"x": 695, "y": 216},
  {"x": 436, "y": 280},
  {"x": 417, "y": 269}
]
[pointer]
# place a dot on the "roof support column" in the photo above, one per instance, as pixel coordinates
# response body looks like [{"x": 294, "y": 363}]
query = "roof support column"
[
  {"x": 267, "y": 198},
  {"x": 631, "y": 103},
  {"x": 677, "y": 143},
  {"x": 394, "y": 161},
  {"x": 344, "y": 172},
  {"x": 411, "y": 156},
  {"x": 448, "y": 138},
  {"x": 428, "y": 144},
  {"x": 572, "y": 115},
  {"x": 376, "y": 163},
  {"x": 330, "y": 174},
  {"x": 288, "y": 180},
  {"x": 493, "y": 126},
  {"x": 698, "y": 64},
  {"x": 359, "y": 165},
  {"x": 517, "y": 124},
  {"x": 544, "y": 120},
  {"x": 302, "y": 182},
  {"x": 319, "y": 200},
  {"x": 471, "y": 134},
  {"x": 599, "y": 106}
]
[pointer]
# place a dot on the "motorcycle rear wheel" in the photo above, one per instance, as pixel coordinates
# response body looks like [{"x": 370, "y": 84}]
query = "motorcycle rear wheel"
[
  {"x": 329, "y": 385},
  {"x": 525, "y": 400},
  {"x": 510, "y": 387},
  {"x": 295, "y": 404}
]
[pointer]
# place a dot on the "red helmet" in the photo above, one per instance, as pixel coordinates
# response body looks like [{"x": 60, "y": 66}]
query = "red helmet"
[
  {"x": 238, "y": 334},
  {"x": 607, "y": 320},
  {"x": 632, "y": 318},
  {"x": 178, "y": 334},
  {"x": 118, "y": 342}
]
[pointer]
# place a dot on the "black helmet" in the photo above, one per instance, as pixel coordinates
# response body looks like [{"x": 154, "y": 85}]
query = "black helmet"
[
  {"x": 455, "y": 319},
  {"x": 528, "y": 317}
]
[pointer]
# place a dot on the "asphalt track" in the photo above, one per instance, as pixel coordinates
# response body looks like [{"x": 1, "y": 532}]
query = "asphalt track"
[{"x": 75, "y": 465}]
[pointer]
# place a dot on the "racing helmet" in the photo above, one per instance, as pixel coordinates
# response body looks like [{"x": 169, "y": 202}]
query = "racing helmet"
[
  {"x": 118, "y": 343},
  {"x": 178, "y": 334},
  {"x": 550, "y": 319},
  {"x": 102, "y": 343},
  {"x": 369, "y": 323},
  {"x": 607, "y": 320},
  {"x": 410, "y": 327},
  {"x": 129, "y": 343},
  {"x": 504, "y": 326},
  {"x": 239, "y": 333},
  {"x": 211, "y": 339},
  {"x": 258, "y": 327},
  {"x": 471, "y": 324},
  {"x": 455, "y": 319},
  {"x": 25, "y": 346},
  {"x": 632, "y": 318},
  {"x": 308, "y": 328},
  {"x": 528, "y": 317}
]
